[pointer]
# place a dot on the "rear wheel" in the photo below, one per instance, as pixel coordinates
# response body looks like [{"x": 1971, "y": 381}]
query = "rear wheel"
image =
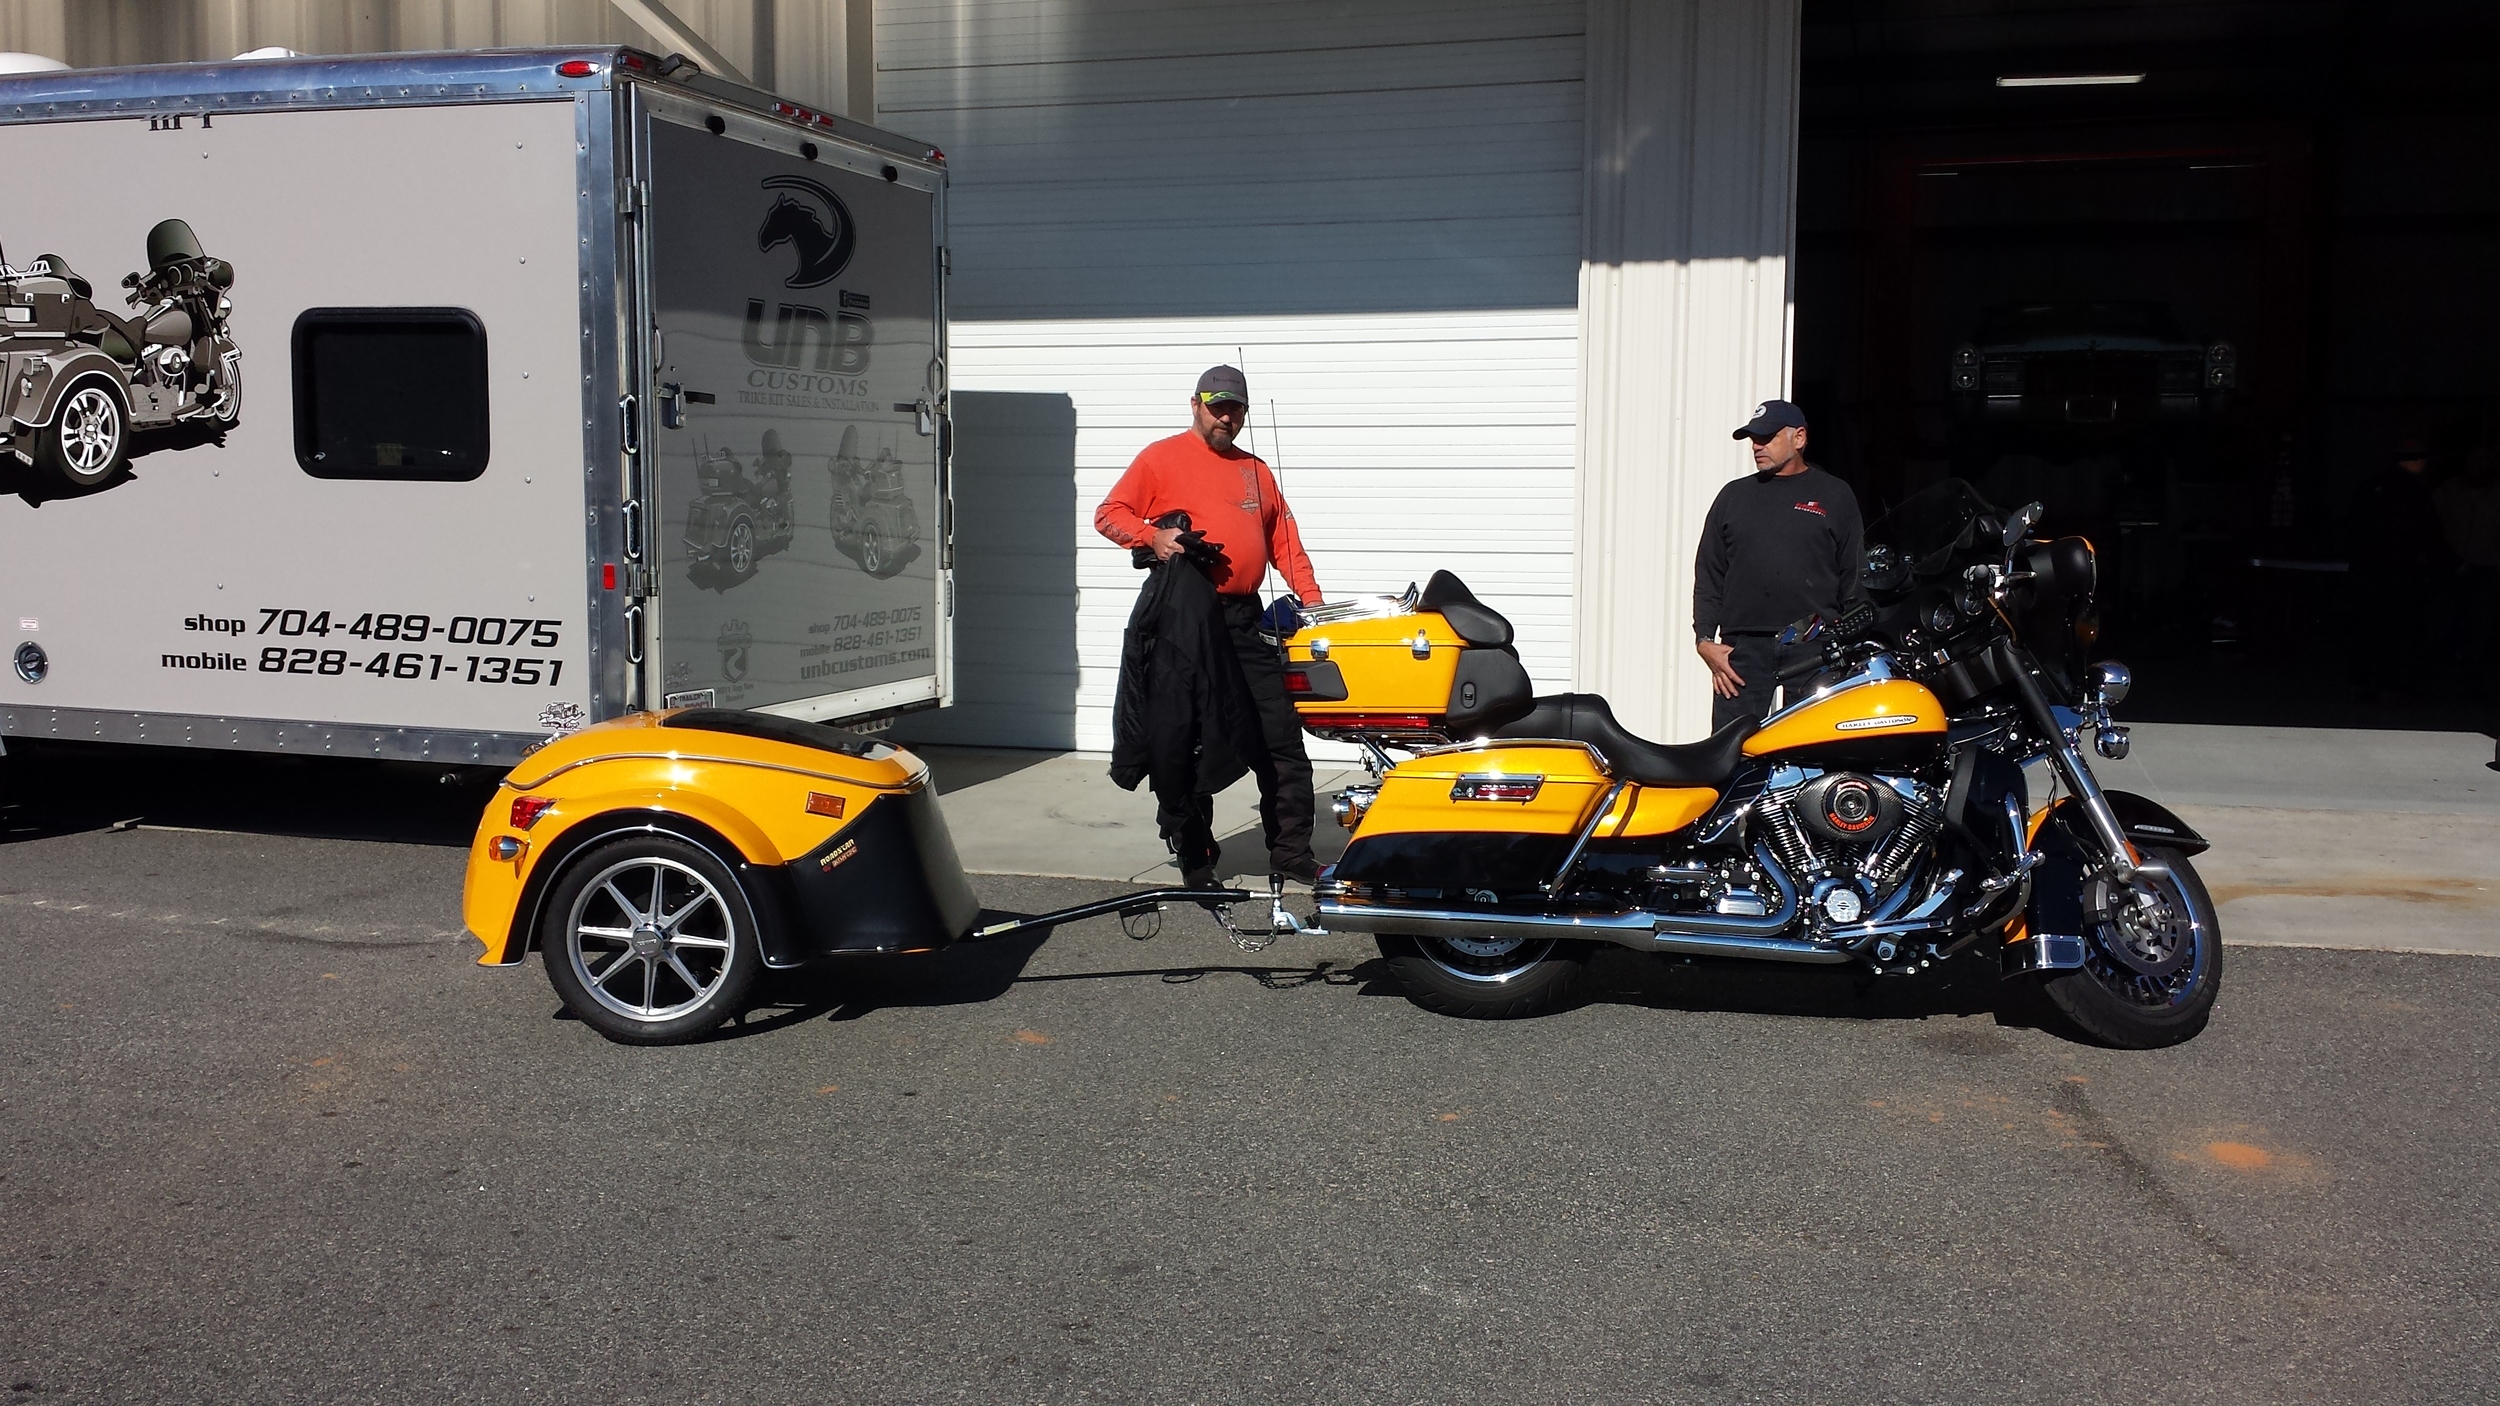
[
  {"x": 1487, "y": 978},
  {"x": 2152, "y": 965},
  {"x": 650, "y": 940},
  {"x": 88, "y": 441}
]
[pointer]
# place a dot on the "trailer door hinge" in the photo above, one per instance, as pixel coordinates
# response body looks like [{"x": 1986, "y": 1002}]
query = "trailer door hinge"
[
  {"x": 641, "y": 583},
  {"x": 633, "y": 198}
]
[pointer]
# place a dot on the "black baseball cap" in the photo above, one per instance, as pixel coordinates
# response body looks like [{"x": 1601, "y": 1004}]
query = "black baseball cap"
[
  {"x": 1769, "y": 418},
  {"x": 1223, "y": 383}
]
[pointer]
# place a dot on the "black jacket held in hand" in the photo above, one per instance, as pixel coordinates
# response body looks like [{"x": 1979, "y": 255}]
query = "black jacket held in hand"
[
  {"x": 1776, "y": 550},
  {"x": 1182, "y": 719}
]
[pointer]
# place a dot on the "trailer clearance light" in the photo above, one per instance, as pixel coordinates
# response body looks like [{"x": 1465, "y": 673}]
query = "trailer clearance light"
[
  {"x": 527, "y": 809},
  {"x": 607, "y": 576},
  {"x": 818, "y": 803},
  {"x": 577, "y": 68},
  {"x": 937, "y": 157}
]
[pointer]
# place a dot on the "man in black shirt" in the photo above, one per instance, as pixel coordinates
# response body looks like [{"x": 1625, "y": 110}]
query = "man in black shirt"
[{"x": 1780, "y": 544}]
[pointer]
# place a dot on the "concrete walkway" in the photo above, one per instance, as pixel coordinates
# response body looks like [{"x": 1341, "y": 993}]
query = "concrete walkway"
[{"x": 2322, "y": 837}]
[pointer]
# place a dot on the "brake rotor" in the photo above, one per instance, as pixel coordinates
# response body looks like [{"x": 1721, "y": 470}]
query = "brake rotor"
[{"x": 2142, "y": 929}]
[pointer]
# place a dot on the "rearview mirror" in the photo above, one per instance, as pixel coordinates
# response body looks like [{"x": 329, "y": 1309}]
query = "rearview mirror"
[{"x": 2019, "y": 525}]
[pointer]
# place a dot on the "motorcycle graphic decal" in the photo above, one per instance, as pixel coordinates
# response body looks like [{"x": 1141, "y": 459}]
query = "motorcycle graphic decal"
[
  {"x": 84, "y": 390},
  {"x": 741, "y": 515},
  {"x": 875, "y": 523}
]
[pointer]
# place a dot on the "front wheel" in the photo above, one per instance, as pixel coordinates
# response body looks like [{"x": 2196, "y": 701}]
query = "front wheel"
[
  {"x": 650, "y": 940},
  {"x": 2152, "y": 959},
  {"x": 1487, "y": 978}
]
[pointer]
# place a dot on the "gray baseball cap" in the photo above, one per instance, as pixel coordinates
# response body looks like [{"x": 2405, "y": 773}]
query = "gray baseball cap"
[{"x": 1223, "y": 383}]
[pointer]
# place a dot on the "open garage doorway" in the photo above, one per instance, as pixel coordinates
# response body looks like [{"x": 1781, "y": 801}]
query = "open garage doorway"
[{"x": 2193, "y": 276}]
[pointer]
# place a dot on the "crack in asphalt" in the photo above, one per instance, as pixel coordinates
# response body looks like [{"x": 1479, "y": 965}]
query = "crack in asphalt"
[{"x": 2138, "y": 1175}]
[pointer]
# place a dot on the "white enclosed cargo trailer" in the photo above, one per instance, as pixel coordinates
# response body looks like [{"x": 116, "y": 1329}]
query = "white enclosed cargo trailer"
[{"x": 458, "y": 400}]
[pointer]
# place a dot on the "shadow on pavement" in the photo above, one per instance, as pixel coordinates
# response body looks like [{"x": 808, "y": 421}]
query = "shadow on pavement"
[{"x": 59, "y": 788}]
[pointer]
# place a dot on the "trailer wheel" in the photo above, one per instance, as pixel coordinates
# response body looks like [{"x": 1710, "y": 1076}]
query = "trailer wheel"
[
  {"x": 87, "y": 445},
  {"x": 650, "y": 940}
]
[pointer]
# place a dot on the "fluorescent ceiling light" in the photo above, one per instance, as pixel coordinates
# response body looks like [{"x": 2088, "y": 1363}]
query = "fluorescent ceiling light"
[{"x": 2068, "y": 80}]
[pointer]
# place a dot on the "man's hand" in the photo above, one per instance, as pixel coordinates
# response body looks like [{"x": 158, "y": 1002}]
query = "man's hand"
[
  {"x": 1724, "y": 680},
  {"x": 1166, "y": 543}
]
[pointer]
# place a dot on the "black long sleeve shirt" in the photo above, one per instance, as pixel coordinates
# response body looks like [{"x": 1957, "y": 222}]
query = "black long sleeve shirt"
[{"x": 1776, "y": 550}]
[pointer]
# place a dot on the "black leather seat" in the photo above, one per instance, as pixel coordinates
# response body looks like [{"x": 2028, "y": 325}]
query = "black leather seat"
[{"x": 1584, "y": 717}]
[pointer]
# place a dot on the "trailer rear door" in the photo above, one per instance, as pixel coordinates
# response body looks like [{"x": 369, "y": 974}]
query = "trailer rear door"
[{"x": 794, "y": 474}]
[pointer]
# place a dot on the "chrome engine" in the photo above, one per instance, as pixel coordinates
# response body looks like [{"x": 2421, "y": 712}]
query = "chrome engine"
[{"x": 1848, "y": 841}]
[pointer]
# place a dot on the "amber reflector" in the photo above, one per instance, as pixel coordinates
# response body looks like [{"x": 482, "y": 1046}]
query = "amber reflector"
[{"x": 818, "y": 803}]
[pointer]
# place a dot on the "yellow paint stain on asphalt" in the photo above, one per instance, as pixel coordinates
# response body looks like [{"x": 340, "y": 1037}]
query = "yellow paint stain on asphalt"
[
  {"x": 2077, "y": 1079},
  {"x": 1445, "y": 1118},
  {"x": 329, "y": 976},
  {"x": 2239, "y": 1156},
  {"x": 830, "y": 1089},
  {"x": 324, "y": 1062},
  {"x": 2404, "y": 888},
  {"x": 1031, "y": 1037}
]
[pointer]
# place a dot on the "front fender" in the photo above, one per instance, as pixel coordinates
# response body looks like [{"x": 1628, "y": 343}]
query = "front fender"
[{"x": 2148, "y": 822}]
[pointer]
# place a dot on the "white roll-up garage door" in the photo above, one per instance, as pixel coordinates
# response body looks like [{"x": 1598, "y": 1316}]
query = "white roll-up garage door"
[{"x": 1374, "y": 210}]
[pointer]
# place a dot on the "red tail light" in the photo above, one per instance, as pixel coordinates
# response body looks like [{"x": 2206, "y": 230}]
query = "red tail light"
[
  {"x": 577, "y": 68},
  {"x": 1297, "y": 681},
  {"x": 527, "y": 809}
]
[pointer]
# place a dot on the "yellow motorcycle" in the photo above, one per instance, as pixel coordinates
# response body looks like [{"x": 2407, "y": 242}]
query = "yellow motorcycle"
[{"x": 1883, "y": 819}]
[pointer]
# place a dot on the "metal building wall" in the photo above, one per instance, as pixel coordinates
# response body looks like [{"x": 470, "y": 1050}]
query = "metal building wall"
[
  {"x": 1376, "y": 208},
  {"x": 1685, "y": 320}
]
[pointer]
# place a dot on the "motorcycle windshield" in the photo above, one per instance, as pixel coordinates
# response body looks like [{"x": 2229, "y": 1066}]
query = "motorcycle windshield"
[{"x": 1929, "y": 526}]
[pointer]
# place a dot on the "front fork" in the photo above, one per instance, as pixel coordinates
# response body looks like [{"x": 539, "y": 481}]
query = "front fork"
[{"x": 2071, "y": 767}]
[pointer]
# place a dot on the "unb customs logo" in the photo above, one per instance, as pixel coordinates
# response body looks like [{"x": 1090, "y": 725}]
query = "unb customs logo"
[{"x": 813, "y": 220}]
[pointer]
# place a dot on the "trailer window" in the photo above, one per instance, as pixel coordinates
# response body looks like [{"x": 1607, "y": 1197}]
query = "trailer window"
[{"x": 390, "y": 393}]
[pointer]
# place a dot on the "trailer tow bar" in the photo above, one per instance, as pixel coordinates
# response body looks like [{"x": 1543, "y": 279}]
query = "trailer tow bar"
[{"x": 1141, "y": 915}]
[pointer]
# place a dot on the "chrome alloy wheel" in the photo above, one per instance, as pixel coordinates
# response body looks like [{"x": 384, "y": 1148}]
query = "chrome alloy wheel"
[
  {"x": 2148, "y": 944},
  {"x": 90, "y": 431},
  {"x": 650, "y": 939},
  {"x": 1491, "y": 960}
]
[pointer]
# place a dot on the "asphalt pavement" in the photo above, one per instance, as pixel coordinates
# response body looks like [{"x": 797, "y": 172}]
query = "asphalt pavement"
[{"x": 275, "y": 1138}]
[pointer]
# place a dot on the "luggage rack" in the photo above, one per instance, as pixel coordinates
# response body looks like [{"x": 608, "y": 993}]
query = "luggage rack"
[{"x": 1363, "y": 607}]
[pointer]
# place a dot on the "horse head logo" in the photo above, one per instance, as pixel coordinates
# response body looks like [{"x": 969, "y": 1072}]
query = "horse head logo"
[{"x": 816, "y": 222}]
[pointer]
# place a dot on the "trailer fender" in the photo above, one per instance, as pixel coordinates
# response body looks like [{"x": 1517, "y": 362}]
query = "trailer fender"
[
  {"x": 52, "y": 379},
  {"x": 765, "y": 881}
]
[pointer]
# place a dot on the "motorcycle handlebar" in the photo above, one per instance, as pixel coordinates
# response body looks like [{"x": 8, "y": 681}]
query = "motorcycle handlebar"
[{"x": 1811, "y": 664}]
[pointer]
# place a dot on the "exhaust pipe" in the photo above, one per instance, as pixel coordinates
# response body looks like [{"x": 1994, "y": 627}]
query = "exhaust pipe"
[{"x": 1698, "y": 934}]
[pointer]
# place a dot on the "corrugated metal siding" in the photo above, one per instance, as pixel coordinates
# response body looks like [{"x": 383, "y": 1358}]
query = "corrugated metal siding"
[
  {"x": 1685, "y": 317},
  {"x": 1376, "y": 208},
  {"x": 1405, "y": 442}
]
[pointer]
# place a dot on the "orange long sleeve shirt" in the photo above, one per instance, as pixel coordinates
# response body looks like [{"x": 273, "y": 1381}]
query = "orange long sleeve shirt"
[{"x": 1231, "y": 497}]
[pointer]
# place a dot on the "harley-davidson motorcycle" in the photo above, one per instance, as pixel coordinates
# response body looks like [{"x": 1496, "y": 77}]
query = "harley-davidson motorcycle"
[
  {"x": 83, "y": 389},
  {"x": 1882, "y": 818}
]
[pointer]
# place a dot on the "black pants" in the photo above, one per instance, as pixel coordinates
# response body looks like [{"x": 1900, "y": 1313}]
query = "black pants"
[
  {"x": 1758, "y": 660},
  {"x": 1283, "y": 769}
]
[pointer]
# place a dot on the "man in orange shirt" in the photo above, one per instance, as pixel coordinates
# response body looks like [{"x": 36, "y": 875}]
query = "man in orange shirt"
[{"x": 1233, "y": 502}]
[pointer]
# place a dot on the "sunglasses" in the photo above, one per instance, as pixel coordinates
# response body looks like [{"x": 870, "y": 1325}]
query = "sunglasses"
[{"x": 1222, "y": 407}]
